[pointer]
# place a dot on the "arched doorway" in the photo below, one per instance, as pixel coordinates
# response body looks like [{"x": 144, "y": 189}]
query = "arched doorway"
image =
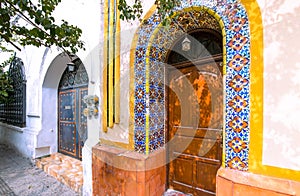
[
  {"x": 72, "y": 124},
  {"x": 151, "y": 45},
  {"x": 195, "y": 112}
]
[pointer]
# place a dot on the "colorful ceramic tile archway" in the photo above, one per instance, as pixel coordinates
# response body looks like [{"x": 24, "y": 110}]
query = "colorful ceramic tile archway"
[{"x": 151, "y": 51}]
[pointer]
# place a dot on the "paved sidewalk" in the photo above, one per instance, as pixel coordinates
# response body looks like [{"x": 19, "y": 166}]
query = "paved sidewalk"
[{"x": 19, "y": 177}]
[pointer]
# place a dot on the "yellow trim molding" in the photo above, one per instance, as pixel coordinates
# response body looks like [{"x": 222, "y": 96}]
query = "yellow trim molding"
[
  {"x": 131, "y": 90},
  {"x": 104, "y": 73},
  {"x": 116, "y": 144},
  {"x": 111, "y": 65},
  {"x": 117, "y": 65}
]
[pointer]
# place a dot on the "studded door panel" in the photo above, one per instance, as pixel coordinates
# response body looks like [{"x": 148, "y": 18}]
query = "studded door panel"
[
  {"x": 67, "y": 122},
  {"x": 82, "y": 120}
]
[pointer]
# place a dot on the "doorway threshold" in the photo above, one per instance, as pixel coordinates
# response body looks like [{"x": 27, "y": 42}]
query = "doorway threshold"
[
  {"x": 171, "y": 192},
  {"x": 65, "y": 169}
]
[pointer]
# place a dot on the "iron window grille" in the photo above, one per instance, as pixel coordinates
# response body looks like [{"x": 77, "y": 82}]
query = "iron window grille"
[{"x": 14, "y": 112}]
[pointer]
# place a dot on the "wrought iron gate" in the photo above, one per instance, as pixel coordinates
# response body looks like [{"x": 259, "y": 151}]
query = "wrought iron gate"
[{"x": 72, "y": 124}]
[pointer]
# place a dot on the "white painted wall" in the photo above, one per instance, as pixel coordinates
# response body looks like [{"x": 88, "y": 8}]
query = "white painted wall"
[
  {"x": 43, "y": 68},
  {"x": 18, "y": 138},
  {"x": 281, "y": 83}
]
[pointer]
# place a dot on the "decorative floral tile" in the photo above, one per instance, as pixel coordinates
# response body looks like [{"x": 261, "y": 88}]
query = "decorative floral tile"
[
  {"x": 237, "y": 124},
  {"x": 238, "y": 83},
  {"x": 238, "y": 41},
  {"x": 238, "y": 62},
  {"x": 237, "y": 144}
]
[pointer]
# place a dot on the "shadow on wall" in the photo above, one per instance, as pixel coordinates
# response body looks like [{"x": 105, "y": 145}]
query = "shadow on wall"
[{"x": 282, "y": 84}]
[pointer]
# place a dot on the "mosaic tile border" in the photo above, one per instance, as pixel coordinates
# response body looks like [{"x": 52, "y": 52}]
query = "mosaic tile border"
[{"x": 237, "y": 111}]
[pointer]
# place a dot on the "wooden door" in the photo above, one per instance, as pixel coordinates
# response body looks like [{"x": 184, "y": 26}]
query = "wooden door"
[
  {"x": 195, "y": 127},
  {"x": 72, "y": 123}
]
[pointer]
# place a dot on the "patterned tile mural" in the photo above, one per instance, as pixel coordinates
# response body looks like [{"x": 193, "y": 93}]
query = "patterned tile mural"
[{"x": 228, "y": 17}]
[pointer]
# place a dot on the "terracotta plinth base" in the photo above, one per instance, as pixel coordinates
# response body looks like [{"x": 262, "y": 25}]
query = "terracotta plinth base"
[
  {"x": 121, "y": 172},
  {"x": 237, "y": 183}
]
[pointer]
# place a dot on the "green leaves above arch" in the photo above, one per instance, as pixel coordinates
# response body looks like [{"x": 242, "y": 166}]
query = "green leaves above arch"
[
  {"x": 27, "y": 22},
  {"x": 164, "y": 9}
]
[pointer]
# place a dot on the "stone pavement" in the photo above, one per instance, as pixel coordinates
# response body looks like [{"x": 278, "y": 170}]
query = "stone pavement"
[{"x": 20, "y": 177}]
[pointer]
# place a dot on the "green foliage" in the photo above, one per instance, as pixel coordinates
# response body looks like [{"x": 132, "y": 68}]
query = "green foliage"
[
  {"x": 164, "y": 9},
  {"x": 5, "y": 84},
  {"x": 23, "y": 22},
  {"x": 130, "y": 12},
  {"x": 30, "y": 22}
]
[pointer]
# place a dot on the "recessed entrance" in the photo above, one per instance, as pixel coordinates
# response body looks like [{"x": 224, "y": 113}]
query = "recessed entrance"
[
  {"x": 195, "y": 113},
  {"x": 72, "y": 124}
]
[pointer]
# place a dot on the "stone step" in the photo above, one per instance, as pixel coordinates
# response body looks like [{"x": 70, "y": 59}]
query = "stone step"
[{"x": 65, "y": 169}]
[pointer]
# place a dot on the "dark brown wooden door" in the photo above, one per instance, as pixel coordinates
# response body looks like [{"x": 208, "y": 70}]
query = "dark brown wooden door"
[{"x": 195, "y": 127}]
